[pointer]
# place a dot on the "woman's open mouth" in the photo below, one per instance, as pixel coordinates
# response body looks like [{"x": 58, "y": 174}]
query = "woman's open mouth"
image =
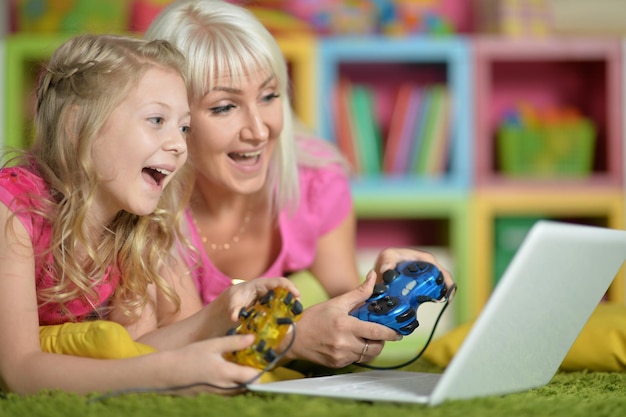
[{"x": 247, "y": 158}]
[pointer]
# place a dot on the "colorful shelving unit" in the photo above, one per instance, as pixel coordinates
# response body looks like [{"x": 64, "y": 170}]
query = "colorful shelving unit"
[
  {"x": 582, "y": 73},
  {"x": 459, "y": 209}
]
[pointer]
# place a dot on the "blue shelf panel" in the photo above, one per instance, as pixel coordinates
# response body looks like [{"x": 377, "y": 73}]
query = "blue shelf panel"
[{"x": 450, "y": 54}]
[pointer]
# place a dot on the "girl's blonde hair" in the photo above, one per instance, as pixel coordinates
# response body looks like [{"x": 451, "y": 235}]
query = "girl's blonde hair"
[
  {"x": 222, "y": 39},
  {"x": 85, "y": 79}
]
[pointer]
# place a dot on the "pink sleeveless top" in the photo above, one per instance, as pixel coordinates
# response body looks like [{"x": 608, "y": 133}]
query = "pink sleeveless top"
[
  {"x": 325, "y": 201},
  {"x": 18, "y": 186}
]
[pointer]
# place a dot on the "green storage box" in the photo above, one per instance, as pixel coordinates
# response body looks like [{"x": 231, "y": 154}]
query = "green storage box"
[
  {"x": 547, "y": 151},
  {"x": 509, "y": 234}
]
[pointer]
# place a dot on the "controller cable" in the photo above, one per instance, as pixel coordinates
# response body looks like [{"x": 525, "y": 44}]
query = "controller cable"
[
  {"x": 237, "y": 387},
  {"x": 446, "y": 302}
]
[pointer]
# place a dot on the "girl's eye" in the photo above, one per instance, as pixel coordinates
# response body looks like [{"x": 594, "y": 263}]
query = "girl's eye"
[
  {"x": 222, "y": 109},
  {"x": 185, "y": 130},
  {"x": 157, "y": 120}
]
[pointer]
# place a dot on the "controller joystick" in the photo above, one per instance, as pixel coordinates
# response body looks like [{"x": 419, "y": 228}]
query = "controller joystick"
[
  {"x": 269, "y": 319},
  {"x": 394, "y": 302}
]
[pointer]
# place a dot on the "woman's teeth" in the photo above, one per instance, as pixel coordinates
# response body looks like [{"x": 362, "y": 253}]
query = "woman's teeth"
[{"x": 244, "y": 155}]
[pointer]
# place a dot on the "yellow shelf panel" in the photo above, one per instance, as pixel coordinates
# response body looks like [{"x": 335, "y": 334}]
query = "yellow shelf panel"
[
  {"x": 487, "y": 206},
  {"x": 299, "y": 51}
]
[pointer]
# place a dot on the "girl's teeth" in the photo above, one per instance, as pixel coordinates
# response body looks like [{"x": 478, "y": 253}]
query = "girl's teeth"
[{"x": 163, "y": 171}]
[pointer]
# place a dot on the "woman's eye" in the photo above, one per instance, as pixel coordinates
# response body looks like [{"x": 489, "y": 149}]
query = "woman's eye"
[
  {"x": 271, "y": 97},
  {"x": 222, "y": 109}
]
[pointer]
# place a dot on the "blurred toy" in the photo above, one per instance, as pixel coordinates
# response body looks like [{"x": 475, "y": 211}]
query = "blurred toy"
[
  {"x": 514, "y": 18},
  {"x": 72, "y": 16},
  {"x": 142, "y": 12},
  {"x": 279, "y": 22},
  {"x": 415, "y": 17}
]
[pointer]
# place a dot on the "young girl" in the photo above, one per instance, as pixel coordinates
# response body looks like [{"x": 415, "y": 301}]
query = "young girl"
[
  {"x": 267, "y": 201},
  {"x": 87, "y": 223}
]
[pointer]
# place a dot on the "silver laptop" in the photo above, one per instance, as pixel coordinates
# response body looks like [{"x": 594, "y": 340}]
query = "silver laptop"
[{"x": 546, "y": 295}]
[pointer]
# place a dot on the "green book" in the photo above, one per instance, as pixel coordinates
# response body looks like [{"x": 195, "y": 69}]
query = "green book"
[
  {"x": 367, "y": 133},
  {"x": 428, "y": 130}
]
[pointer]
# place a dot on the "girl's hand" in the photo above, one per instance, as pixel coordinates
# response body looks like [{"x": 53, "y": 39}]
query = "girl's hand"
[
  {"x": 224, "y": 311},
  {"x": 246, "y": 293},
  {"x": 203, "y": 368}
]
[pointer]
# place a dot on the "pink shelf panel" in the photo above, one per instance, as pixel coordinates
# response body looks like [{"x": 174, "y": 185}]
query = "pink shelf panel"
[{"x": 581, "y": 73}]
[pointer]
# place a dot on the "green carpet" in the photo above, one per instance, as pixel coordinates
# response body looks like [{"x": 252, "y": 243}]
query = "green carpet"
[{"x": 584, "y": 394}]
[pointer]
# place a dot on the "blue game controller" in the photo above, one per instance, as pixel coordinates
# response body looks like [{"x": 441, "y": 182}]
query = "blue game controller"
[{"x": 394, "y": 302}]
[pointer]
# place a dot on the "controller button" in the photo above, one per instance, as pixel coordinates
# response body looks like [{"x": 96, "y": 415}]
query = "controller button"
[
  {"x": 288, "y": 298},
  {"x": 261, "y": 346},
  {"x": 439, "y": 279},
  {"x": 270, "y": 355},
  {"x": 283, "y": 320},
  {"x": 267, "y": 297},
  {"x": 379, "y": 289},
  {"x": 409, "y": 327},
  {"x": 424, "y": 298},
  {"x": 244, "y": 314},
  {"x": 373, "y": 307},
  {"x": 389, "y": 275},
  {"x": 296, "y": 308},
  {"x": 409, "y": 286},
  {"x": 407, "y": 315}
]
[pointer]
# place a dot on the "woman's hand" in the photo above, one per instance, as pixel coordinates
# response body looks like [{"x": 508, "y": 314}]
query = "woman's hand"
[
  {"x": 329, "y": 336},
  {"x": 389, "y": 258}
]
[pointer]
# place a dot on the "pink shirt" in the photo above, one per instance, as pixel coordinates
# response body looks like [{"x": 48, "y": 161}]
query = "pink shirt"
[
  {"x": 325, "y": 201},
  {"x": 17, "y": 184}
]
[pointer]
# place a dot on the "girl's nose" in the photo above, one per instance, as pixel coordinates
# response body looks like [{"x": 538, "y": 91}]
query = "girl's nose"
[{"x": 176, "y": 144}]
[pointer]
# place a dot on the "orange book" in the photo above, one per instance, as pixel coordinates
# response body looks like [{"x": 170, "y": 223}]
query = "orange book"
[
  {"x": 344, "y": 129},
  {"x": 402, "y": 121}
]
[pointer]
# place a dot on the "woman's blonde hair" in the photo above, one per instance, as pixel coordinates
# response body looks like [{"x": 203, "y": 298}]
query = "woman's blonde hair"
[
  {"x": 222, "y": 39},
  {"x": 85, "y": 79}
]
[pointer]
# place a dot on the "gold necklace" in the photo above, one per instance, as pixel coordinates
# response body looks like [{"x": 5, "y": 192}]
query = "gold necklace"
[{"x": 233, "y": 241}]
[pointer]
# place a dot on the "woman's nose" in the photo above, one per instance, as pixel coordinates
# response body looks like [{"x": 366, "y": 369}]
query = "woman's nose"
[{"x": 255, "y": 127}]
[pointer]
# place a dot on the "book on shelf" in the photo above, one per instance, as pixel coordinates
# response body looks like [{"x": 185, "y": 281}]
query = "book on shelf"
[
  {"x": 436, "y": 161},
  {"x": 366, "y": 129},
  {"x": 416, "y": 154},
  {"x": 344, "y": 129},
  {"x": 399, "y": 137},
  {"x": 431, "y": 135}
]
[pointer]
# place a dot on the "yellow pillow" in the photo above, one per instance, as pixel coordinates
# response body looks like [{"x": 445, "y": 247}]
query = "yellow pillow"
[
  {"x": 93, "y": 339},
  {"x": 600, "y": 346},
  {"x": 102, "y": 339}
]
